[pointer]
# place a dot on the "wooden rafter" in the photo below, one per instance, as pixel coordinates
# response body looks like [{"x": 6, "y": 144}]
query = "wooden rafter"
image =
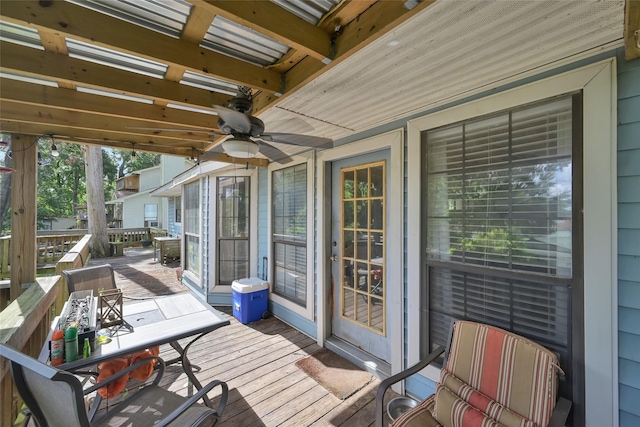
[
  {"x": 28, "y": 61},
  {"x": 86, "y": 25},
  {"x": 44, "y": 96},
  {"x": 29, "y": 107},
  {"x": 272, "y": 20}
]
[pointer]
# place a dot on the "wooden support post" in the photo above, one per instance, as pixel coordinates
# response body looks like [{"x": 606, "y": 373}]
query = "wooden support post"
[{"x": 23, "y": 212}]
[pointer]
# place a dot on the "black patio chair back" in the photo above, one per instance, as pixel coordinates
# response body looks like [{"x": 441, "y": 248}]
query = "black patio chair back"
[
  {"x": 54, "y": 397},
  {"x": 90, "y": 278}
]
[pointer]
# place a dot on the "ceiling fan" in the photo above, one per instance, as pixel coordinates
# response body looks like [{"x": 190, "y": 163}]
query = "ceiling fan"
[{"x": 247, "y": 136}]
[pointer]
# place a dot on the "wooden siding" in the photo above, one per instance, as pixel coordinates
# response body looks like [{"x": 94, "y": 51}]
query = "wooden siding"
[{"x": 629, "y": 239}]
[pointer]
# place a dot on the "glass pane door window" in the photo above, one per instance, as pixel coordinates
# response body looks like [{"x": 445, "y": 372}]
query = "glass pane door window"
[
  {"x": 233, "y": 228},
  {"x": 362, "y": 284}
]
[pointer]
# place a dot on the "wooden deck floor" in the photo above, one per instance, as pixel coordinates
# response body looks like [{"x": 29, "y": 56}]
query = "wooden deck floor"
[{"x": 257, "y": 361}]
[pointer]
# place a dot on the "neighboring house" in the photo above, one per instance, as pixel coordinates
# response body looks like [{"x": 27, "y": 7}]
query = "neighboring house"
[
  {"x": 133, "y": 206},
  {"x": 518, "y": 206},
  {"x": 58, "y": 224}
]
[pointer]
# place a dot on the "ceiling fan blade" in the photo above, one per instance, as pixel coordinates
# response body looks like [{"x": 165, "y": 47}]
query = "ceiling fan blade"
[
  {"x": 297, "y": 139},
  {"x": 274, "y": 153},
  {"x": 238, "y": 121}
]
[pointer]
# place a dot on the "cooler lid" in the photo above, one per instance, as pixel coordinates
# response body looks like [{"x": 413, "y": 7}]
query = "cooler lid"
[{"x": 248, "y": 285}]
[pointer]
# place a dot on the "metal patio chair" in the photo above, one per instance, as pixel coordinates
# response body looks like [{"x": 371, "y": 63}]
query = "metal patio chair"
[
  {"x": 56, "y": 398},
  {"x": 90, "y": 278}
]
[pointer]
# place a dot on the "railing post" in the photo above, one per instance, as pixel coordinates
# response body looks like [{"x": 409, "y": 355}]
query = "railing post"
[{"x": 24, "y": 325}]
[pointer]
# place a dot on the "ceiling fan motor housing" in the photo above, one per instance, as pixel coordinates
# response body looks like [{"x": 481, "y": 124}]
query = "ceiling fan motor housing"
[
  {"x": 241, "y": 104},
  {"x": 257, "y": 127}
]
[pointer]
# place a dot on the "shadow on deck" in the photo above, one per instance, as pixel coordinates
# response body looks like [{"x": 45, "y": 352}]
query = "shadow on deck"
[{"x": 257, "y": 360}]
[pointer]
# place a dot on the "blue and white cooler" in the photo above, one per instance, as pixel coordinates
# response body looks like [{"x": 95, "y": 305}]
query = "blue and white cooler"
[{"x": 250, "y": 299}]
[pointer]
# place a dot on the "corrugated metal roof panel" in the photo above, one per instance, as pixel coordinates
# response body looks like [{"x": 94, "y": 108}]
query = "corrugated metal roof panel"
[
  {"x": 28, "y": 79},
  {"x": 166, "y": 17},
  {"x": 208, "y": 83},
  {"x": 111, "y": 94},
  {"x": 235, "y": 40},
  {"x": 112, "y": 58},
  {"x": 18, "y": 34},
  {"x": 309, "y": 10}
]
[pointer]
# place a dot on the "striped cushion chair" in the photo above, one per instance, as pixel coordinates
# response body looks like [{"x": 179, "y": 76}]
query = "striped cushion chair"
[{"x": 491, "y": 378}]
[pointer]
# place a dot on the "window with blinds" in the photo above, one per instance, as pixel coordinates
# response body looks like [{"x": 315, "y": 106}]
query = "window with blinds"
[
  {"x": 499, "y": 223},
  {"x": 233, "y": 229},
  {"x": 192, "y": 227},
  {"x": 289, "y": 228}
]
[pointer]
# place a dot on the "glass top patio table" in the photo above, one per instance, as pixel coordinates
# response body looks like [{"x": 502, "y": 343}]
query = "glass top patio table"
[{"x": 154, "y": 321}]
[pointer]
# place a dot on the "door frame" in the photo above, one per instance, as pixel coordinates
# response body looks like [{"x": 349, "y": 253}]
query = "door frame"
[{"x": 393, "y": 141}]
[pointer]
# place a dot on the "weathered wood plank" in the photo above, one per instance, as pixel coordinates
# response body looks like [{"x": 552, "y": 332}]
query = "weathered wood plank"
[{"x": 23, "y": 212}]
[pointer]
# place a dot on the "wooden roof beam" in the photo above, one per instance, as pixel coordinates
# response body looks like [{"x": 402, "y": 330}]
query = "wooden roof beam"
[
  {"x": 52, "y": 97},
  {"x": 53, "y": 66},
  {"x": 81, "y": 23},
  {"x": 272, "y": 20},
  {"x": 83, "y": 120},
  {"x": 96, "y": 137}
]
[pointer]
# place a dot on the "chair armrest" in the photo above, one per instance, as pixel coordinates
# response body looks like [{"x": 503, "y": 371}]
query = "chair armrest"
[
  {"x": 193, "y": 399},
  {"x": 560, "y": 412},
  {"x": 128, "y": 369},
  {"x": 384, "y": 385}
]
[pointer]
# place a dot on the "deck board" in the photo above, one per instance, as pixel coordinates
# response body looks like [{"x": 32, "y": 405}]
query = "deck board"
[{"x": 257, "y": 361}]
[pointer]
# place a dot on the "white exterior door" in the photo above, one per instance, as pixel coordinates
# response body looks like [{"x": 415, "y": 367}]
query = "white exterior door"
[{"x": 358, "y": 243}]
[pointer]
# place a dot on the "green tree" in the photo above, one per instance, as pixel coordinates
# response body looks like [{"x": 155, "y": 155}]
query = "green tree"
[{"x": 128, "y": 163}]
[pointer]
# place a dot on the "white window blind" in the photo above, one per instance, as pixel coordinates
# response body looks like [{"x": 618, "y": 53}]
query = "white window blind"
[
  {"x": 500, "y": 223},
  {"x": 289, "y": 199}
]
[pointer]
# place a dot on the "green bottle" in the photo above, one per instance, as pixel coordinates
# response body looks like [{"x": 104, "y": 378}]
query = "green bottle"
[
  {"x": 71, "y": 345},
  {"x": 86, "y": 350}
]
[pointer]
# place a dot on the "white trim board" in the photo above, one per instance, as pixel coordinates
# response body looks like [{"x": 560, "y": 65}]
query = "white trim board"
[
  {"x": 394, "y": 141},
  {"x": 598, "y": 83},
  {"x": 308, "y": 311},
  {"x": 253, "y": 224}
]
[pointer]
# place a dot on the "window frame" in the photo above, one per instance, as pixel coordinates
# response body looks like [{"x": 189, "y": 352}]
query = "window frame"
[
  {"x": 571, "y": 287},
  {"x": 193, "y": 275},
  {"x": 308, "y": 310},
  {"x": 177, "y": 209},
  {"x": 598, "y": 85},
  {"x": 216, "y": 241}
]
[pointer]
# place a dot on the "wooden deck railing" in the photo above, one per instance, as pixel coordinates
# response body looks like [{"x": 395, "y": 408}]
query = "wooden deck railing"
[
  {"x": 53, "y": 245},
  {"x": 134, "y": 236},
  {"x": 25, "y": 323}
]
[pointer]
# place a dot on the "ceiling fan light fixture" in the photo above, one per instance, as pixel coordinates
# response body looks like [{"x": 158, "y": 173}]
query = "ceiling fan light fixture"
[{"x": 241, "y": 148}]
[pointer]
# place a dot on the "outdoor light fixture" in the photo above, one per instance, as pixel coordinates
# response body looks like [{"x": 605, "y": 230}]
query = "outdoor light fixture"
[
  {"x": 241, "y": 148},
  {"x": 54, "y": 149},
  {"x": 133, "y": 149}
]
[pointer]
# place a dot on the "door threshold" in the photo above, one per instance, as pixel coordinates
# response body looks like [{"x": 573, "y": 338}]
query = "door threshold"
[{"x": 377, "y": 367}]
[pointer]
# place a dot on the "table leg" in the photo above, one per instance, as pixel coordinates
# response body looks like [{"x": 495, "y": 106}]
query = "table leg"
[{"x": 188, "y": 368}]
